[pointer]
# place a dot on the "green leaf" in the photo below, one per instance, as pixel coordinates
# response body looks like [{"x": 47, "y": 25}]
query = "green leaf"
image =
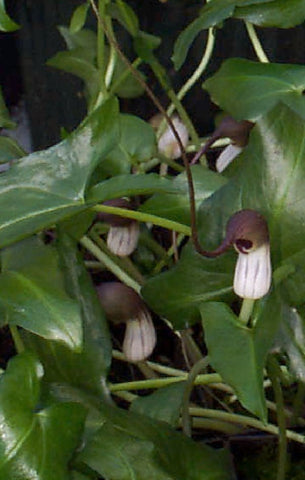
[
  {"x": 239, "y": 353},
  {"x": 164, "y": 404},
  {"x": 6, "y": 23},
  {"x": 10, "y": 150},
  {"x": 129, "y": 185},
  {"x": 48, "y": 186},
  {"x": 75, "y": 62},
  {"x": 177, "y": 293},
  {"x": 261, "y": 12},
  {"x": 84, "y": 40},
  {"x": 34, "y": 443},
  {"x": 79, "y": 17},
  {"x": 137, "y": 144},
  {"x": 124, "y": 14},
  {"x": 291, "y": 340},
  {"x": 32, "y": 291},
  {"x": 87, "y": 369},
  {"x": 279, "y": 13},
  {"x": 129, "y": 446},
  {"x": 212, "y": 14},
  {"x": 129, "y": 87},
  {"x": 248, "y": 89},
  {"x": 5, "y": 121},
  {"x": 145, "y": 44},
  {"x": 177, "y": 207}
]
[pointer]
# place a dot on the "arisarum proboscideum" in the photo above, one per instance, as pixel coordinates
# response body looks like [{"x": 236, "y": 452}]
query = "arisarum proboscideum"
[
  {"x": 247, "y": 231},
  {"x": 238, "y": 133},
  {"x": 167, "y": 143},
  {"x": 123, "y": 305},
  {"x": 123, "y": 234}
]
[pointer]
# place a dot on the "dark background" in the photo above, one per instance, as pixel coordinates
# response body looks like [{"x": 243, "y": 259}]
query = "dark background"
[{"x": 54, "y": 99}]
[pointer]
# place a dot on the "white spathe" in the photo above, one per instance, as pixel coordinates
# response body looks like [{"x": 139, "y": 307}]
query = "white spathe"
[
  {"x": 252, "y": 278},
  {"x": 227, "y": 156},
  {"x": 168, "y": 144},
  {"x": 140, "y": 337},
  {"x": 122, "y": 241}
]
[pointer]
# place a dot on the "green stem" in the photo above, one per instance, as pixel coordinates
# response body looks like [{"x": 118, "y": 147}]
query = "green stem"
[
  {"x": 192, "y": 351},
  {"x": 217, "y": 425},
  {"x": 106, "y": 260},
  {"x": 281, "y": 420},
  {"x": 155, "y": 247},
  {"x": 184, "y": 116},
  {"x": 101, "y": 46},
  {"x": 158, "y": 71},
  {"x": 256, "y": 43},
  {"x": 186, "y": 420},
  {"x": 246, "y": 421},
  {"x": 17, "y": 339},
  {"x": 174, "y": 372},
  {"x": 158, "y": 267},
  {"x": 135, "y": 64},
  {"x": 193, "y": 78},
  {"x": 112, "y": 58},
  {"x": 246, "y": 310},
  {"x": 123, "y": 263},
  {"x": 144, "y": 217},
  {"x": 163, "y": 382}
]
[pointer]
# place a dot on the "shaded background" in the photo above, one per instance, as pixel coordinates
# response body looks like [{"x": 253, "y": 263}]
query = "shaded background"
[{"x": 54, "y": 99}]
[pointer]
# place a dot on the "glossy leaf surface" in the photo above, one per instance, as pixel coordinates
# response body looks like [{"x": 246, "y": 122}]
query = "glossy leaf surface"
[
  {"x": 130, "y": 185},
  {"x": 177, "y": 293},
  {"x": 177, "y": 207},
  {"x": 133, "y": 446},
  {"x": 278, "y": 13},
  {"x": 35, "y": 297},
  {"x": 34, "y": 443},
  {"x": 248, "y": 89},
  {"x": 48, "y": 186},
  {"x": 132, "y": 148},
  {"x": 239, "y": 353},
  {"x": 87, "y": 369}
]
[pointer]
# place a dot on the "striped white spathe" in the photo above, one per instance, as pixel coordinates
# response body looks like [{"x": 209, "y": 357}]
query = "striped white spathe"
[
  {"x": 122, "y": 241},
  {"x": 140, "y": 337},
  {"x": 168, "y": 144},
  {"x": 227, "y": 156},
  {"x": 252, "y": 278}
]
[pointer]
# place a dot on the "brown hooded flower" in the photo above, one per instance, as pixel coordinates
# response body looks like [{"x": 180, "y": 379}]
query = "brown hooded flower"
[
  {"x": 247, "y": 231},
  {"x": 123, "y": 234},
  {"x": 123, "y": 305}
]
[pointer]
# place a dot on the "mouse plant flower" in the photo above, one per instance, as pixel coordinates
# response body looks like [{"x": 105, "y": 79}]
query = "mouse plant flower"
[
  {"x": 237, "y": 132},
  {"x": 252, "y": 277},
  {"x": 123, "y": 234},
  {"x": 123, "y": 305},
  {"x": 247, "y": 231},
  {"x": 167, "y": 143}
]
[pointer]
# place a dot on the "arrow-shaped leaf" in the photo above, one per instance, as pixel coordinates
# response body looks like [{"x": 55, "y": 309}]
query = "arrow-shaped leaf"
[
  {"x": 248, "y": 89},
  {"x": 32, "y": 290},
  {"x": 47, "y": 186},
  {"x": 34, "y": 443}
]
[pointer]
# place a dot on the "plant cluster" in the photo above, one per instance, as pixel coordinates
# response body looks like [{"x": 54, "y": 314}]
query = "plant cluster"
[{"x": 226, "y": 279}]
